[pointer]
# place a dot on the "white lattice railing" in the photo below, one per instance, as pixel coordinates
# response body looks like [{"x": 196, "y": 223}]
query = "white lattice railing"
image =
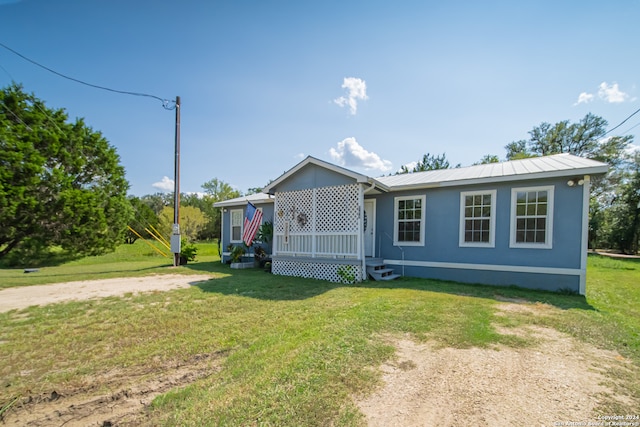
[
  {"x": 326, "y": 245},
  {"x": 319, "y": 223}
]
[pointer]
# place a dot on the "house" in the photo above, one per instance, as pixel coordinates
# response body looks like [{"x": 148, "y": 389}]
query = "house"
[{"x": 521, "y": 222}]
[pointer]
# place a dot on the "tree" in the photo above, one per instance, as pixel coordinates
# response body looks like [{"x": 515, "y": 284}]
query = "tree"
[
  {"x": 205, "y": 203},
  {"x": 220, "y": 190},
  {"x": 60, "y": 183},
  {"x": 585, "y": 138},
  {"x": 143, "y": 218},
  {"x": 620, "y": 222},
  {"x": 613, "y": 219},
  {"x": 488, "y": 158},
  {"x": 216, "y": 191},
  {"x": 157, "y": 201},
  {"x": 192, "y": 220},
  {"x": 428, "y": 162}
]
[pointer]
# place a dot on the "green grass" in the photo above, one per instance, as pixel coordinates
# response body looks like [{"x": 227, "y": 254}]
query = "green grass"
[
  {"x": 126, "y": 261},
  {"x": 292, "y": 351}
]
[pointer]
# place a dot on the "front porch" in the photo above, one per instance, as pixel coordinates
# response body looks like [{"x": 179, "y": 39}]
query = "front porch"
[{"x": 317, "y": 233}]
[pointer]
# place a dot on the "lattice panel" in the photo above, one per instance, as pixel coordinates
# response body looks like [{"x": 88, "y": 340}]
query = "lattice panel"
[
  {"x": 337, "y": 208},
  {"x": 310, "y": 270},
  {"x": 296, "y": 207}
]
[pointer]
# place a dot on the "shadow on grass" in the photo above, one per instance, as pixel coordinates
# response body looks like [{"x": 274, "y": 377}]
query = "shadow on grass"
[{"x": 256, "y": 283}]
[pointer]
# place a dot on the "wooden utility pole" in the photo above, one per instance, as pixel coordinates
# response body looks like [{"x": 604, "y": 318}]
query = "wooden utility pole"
[{"x": 175, "y": 236}]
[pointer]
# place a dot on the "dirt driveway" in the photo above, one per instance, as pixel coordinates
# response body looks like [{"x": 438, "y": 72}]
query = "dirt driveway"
[
  {"x": 26, "y": 296},
  {"x": 560, "y": 381}
]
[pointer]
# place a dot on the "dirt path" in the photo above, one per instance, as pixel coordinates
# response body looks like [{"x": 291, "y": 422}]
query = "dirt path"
[
  {"x": 559, "y": 381},
  {"x": 25, "y": 296}
]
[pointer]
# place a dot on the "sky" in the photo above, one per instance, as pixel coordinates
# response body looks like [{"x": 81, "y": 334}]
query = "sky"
[{"x": 368, "y": 85}]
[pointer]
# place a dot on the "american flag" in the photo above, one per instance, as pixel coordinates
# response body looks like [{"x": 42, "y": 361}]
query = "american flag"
[{"x": 252, "y": 220}]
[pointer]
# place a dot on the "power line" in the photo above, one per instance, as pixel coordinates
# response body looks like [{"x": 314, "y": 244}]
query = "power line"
[
  {"x": 165, "y": 102},
  {"x": 622, "y": 122}
]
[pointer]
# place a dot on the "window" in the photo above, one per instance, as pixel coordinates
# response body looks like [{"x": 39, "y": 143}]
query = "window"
[
  {"x": 477, "y": 218},
  {"x": 532, "y": 217},
  {"x": 237, "y": 218},
  {"x": 409, "y": 221}
]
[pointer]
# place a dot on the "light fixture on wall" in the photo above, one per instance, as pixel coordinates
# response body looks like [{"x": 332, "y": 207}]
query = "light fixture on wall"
[{"x": 575, "y": 181}]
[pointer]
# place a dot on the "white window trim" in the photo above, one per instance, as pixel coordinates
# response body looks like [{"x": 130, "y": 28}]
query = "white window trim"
[
  {"x": 423, "y": 200},
  {"x": 492, "y": 220},
  {"x": 548, "y": 238},
  {"x": 231, "y": 211}
]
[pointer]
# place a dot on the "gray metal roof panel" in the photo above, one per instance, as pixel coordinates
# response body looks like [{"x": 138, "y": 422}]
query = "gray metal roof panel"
[{"x": 535, "y": 167}]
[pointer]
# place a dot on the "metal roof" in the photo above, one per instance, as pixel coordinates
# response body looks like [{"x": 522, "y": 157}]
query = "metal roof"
[
  {"x": 256, "y": 199},
  {"x": 557, "y": 165}
]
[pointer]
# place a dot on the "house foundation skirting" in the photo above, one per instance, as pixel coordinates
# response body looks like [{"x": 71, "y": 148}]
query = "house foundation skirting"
[{"x": 333, "y": 270}]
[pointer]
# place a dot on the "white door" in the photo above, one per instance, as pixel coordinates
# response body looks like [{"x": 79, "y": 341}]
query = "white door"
[{"x": 369, "y": 227}]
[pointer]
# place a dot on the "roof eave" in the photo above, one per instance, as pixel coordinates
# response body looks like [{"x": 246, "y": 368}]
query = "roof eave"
[
  {"x": 594, "y": 170},
  {"x": 241, "y": 201}
]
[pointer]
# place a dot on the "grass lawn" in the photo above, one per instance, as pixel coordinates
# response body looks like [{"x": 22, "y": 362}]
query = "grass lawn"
[
  {"x": 287, "y": 351},
  {"x": 128, "y": 260}
]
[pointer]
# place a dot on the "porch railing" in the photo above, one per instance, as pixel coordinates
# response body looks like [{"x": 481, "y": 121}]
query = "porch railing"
[{"x": 321, "y": 245}]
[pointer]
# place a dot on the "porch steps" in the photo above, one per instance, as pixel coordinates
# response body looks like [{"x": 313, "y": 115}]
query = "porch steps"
[{"x": 377, "y": 270}]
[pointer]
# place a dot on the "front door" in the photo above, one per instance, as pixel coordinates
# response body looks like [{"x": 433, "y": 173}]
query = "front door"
[{"x": 369, "y": 227}]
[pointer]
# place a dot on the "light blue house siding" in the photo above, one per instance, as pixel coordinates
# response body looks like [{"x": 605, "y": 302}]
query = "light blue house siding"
[
  {"x": 313, "y": 176},
  {"x": 327, "y": 218},
  {"x": 241, "y": 206},
  {"x": 442, "y": 257}
]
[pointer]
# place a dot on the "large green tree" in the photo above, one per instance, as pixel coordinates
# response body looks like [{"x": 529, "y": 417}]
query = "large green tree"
[
  {"x": 61, "y": 183},
  {"x": 586, "y": 138}
]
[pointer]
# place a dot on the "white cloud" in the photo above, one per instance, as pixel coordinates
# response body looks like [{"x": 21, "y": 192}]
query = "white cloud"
[
  {"x": 350, "y": 153},
  {"x": 357, "y": 89},
  {"x": 611, "y": 93},
  {"x": 166, "y": 185},
  {"x": 584, "y": 98}
]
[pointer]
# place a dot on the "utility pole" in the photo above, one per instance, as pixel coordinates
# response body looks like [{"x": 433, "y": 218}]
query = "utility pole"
[{"x": 175, "y": 235}]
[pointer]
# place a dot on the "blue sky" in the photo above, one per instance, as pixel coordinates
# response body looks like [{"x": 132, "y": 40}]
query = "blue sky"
[{"x": 369, "y": 85}]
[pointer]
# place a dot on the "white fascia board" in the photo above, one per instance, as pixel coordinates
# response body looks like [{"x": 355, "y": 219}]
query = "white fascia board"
[
  {"x": 506, "y": 178},
  {"x": 242, "y": 201}
]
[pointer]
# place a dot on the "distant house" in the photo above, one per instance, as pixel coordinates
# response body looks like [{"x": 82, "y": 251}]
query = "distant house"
[{"x": 522, "y": 222}]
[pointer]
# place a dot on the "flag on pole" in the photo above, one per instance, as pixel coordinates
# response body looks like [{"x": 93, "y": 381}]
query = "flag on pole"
[{"x": 252, "y": 220}]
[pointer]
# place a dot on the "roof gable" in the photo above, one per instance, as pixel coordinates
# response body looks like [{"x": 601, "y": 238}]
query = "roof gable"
[{"x": 310, "y": 162}]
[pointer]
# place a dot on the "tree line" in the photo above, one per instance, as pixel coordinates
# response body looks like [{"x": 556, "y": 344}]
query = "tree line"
[{"x": 62, "y": 185}]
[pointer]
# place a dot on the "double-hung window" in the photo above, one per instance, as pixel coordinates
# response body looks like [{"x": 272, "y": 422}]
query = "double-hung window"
[
  {"x": 478, "y": 218},
  {"x": 237, "y": 219},
  {"x": 409, "y": 221},
  {"x": 532, "y": 217}
]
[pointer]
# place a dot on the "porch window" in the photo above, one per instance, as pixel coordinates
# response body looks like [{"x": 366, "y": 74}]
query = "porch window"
[
  {"x": 532, "y": 217},
  {"x": 477, "y": 218},
  {"x": 409, "y": 221},
  {"x": 236, "y": 225}
]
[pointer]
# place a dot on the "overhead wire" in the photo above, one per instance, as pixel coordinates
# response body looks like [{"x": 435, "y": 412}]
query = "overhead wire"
[
  {"x": 166, "y": 104},
  {"x": 622, "y": 122}
]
